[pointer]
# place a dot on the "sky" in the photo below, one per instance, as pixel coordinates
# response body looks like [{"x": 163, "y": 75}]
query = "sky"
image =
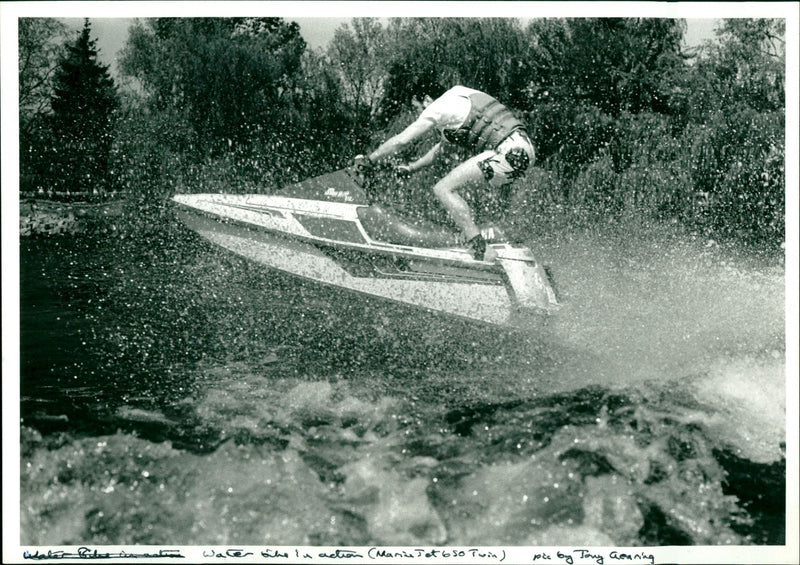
[{"x": 112, "y": 33}]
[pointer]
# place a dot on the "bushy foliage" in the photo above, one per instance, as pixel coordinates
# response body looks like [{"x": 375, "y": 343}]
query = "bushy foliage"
[
  {"x": 737, "y": 140},
  {"x": 488, "y": 54},
  {"x": 254, "y": 99},
  {"x": 151, "y": 155},
  {"x": 226, "y": 74},
  {"x": 41, "y": 45},
  {"x": 35, "y": 152},
  {"x": 634, "y": 124},
  {"x": 624, "y": 119}
]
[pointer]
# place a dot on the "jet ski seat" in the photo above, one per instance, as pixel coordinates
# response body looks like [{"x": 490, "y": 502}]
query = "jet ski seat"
[{"x": 382, "y": 224}]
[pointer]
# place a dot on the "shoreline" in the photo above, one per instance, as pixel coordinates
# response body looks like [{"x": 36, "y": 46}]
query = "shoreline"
[{"x": 40, "y": 217}]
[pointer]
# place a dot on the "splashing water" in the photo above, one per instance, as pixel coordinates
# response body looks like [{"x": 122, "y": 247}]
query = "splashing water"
[{"x": 215, "y": 402}]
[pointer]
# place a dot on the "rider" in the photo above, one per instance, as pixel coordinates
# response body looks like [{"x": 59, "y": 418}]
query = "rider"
[{"x": 474, "y": 120}]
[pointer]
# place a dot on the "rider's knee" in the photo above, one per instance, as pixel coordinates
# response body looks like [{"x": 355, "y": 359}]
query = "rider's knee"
[{"x": 442, "y": 190}]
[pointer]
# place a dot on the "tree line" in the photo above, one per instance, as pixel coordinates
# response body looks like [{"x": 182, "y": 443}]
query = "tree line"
[{"x": 625, "y": 119}]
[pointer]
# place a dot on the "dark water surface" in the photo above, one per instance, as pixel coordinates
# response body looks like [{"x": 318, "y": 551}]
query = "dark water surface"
[{"x": 173, "y": 393}]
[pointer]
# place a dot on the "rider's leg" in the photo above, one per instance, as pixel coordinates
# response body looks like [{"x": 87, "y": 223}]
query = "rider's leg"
[{"x": 467, "y": 173}]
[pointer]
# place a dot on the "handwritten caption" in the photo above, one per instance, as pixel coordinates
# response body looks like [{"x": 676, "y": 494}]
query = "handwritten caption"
[
  {"x": 580, "y": 556},
  {"x": 356, "y": 555},
  {"x": 89, "y": 553}
]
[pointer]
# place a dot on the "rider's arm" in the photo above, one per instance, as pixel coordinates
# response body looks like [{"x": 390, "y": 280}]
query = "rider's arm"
[
  {"x": 402, "y": 140},
  {"x": 426, "y": 160}
]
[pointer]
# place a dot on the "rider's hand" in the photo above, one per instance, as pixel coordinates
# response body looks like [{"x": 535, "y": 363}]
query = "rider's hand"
[
  {"x": 362, "y": 164},
  {"x": 403, "y": 172}
]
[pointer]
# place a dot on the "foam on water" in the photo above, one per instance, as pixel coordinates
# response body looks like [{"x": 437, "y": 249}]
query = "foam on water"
[
  {"x": 660, "y": 307},
  {"x": 749, "y": 401},
  {"x": 313, "y": 463},
  {"x": 241, "y": 408}
]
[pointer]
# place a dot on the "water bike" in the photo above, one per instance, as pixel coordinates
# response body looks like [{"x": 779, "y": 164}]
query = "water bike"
[{"x": 326, "y": 229}]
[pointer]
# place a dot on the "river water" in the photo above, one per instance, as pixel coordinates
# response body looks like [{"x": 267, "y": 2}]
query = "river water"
[{"x": 172, "y": 393}]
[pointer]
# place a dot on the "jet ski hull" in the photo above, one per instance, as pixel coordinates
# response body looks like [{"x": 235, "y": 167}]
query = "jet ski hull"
[{"x": 326, "y": 242}]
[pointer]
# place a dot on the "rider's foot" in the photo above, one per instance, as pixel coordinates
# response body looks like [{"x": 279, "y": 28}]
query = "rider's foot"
[
  {"x": 490, "y": 255},
  {"x": 480, "y": 251}
]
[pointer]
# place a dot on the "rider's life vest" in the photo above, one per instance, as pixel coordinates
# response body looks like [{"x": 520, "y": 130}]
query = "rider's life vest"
[{"x": 489, "y": 122}]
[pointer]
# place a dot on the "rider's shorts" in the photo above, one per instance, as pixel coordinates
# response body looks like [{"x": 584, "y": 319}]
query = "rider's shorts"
[{"x": 509, "y": 161}]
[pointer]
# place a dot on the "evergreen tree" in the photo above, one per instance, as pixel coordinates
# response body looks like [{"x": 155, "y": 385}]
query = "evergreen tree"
[{"x": 84, "y": 104}]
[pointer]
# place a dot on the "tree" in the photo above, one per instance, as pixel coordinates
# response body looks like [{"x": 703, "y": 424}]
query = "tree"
[
  {"x": 615, "y": 64},
  {"x": 745, "y": 65},
  {"x": 40, "y": 47},
  {"x": 488, "y": 54},
  {"x": 84, "y": 103},
  {"x": 359, "y": 54},
  {"x": 737, "y": 106},
  {"x": 230, "y": 76},
  {"x": 41, "y": 42},
  {"x": 587, "y": 73}
]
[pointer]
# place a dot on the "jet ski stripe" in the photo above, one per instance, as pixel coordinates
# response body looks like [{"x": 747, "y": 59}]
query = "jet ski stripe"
[
  {"x": 330, "y": 228},
  {"x": 257, "y": 209}
]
